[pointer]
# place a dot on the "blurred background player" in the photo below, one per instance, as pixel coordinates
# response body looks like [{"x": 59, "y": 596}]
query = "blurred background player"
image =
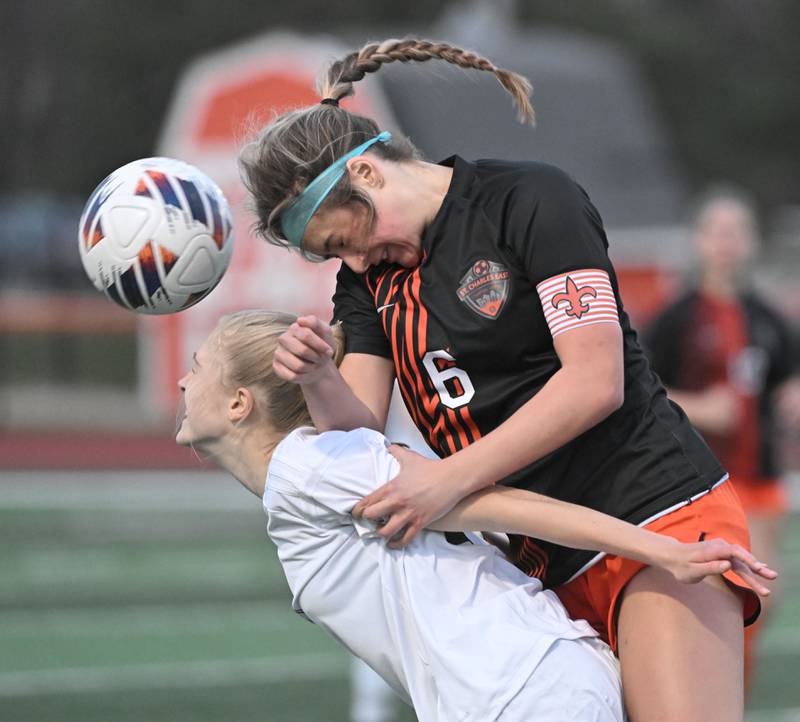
[{"x": 730, "y": 361}]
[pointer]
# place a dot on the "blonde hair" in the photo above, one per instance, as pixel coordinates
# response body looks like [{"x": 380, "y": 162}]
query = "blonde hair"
[
  {"x": 247, "y": 341},
  {"x": 297, "y": 146}
]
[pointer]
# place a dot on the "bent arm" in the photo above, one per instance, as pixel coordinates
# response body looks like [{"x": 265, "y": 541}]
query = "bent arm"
[
  {"x": 354, "y": 395},
  {"x": 585, "y": 390}
]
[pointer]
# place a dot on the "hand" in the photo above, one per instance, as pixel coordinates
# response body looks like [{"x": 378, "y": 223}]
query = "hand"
[
  {"x": 418, "y": 495},
  {"x": 304, "y": 351},
  {"x": 720, "y": 408},
  {"x": 691, "y": 563}
]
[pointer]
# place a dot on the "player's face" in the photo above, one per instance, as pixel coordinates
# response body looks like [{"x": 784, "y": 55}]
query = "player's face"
[
  {"x": 725, "y": 238},
  {"x": 361, "y": 242},
  {"x": 202, "y": 418}
]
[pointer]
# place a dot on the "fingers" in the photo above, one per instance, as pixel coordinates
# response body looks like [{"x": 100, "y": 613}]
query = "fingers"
[
  {"x": 757, "y": 567},
  {"x": 379, "y": 510},
  {"x": 394, "y": 525},
  {"x": 749, "y": 578},
  {"x": 408, "y": 536},
  {"x": 317, "y": 327},
  {"x": 299, "y": 337},
  {"x": 373, "y": 498},
  {"x": 707, "y": 569},
  {"x": 300, "y": 352},
  {"x": 720, "y": 549},
  {"x": 402, "y": 453},
  {"x": 283, "y": 372}
]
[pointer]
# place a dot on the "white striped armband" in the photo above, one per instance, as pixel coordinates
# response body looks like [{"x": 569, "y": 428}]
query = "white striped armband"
[{"x": 577, "y": 298}]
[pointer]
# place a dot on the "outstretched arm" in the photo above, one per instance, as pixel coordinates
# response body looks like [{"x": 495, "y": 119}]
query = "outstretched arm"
[{"x": 516, "y": 511}]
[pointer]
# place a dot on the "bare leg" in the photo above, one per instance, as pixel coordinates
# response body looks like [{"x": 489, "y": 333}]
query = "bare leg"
[{"x": 681, "y": 649}]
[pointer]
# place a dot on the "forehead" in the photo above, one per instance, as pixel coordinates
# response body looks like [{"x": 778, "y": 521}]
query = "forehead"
[
  {"x": 207, "y": 351},
  {"x": 728, "y": 212}
]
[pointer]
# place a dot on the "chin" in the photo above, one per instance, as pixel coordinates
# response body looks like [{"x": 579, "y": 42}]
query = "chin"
[{"x": 182, "y": 435}]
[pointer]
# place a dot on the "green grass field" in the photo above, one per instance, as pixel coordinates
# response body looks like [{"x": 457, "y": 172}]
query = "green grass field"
[{"x": 136, "y": 597}]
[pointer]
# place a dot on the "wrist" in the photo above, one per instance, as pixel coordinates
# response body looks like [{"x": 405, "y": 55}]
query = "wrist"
[
  {"x": 660, "y": 550},
  {"x": 467, "y": 476},
  {"x": 322, "y": 378}
]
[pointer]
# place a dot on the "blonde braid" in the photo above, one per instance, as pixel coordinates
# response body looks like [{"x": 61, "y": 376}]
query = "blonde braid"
[{"x": 338, "y": 81}]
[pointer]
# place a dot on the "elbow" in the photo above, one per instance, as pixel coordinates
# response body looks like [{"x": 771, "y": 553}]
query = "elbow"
[
  {"x": 616, "y": 396},
  {"x": 608, "y": 396},
  {"x": 611, "y": 398}
]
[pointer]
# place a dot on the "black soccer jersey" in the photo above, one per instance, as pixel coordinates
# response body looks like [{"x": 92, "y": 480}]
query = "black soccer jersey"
[{"x": 516, "y": 255}]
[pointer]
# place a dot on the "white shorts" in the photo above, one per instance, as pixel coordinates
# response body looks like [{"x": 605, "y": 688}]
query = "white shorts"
[{"x": 576, "y": 681}]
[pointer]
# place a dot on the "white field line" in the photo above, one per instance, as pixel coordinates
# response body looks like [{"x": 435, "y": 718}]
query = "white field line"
[
  {"x": 202, "y": 490},
  {"x": 174, "y": 675},
  {"x": 124, "y": 490},
  {"x": 143, "y": 618}
]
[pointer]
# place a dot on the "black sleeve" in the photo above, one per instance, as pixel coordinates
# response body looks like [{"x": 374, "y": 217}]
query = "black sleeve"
[
  {"x": 552, "y": 227},
  {"x": 354, "y": 308}
]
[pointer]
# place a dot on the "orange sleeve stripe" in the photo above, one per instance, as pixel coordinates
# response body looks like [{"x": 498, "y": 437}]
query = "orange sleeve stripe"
[
  {"x": 413, "y": 375},
  {"x": 471, "y": 425},
  {"x": 445, "y": 413}
]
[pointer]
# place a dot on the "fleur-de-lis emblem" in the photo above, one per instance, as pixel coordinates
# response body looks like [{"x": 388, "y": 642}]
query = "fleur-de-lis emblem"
[{"x": 574, "y": 297}]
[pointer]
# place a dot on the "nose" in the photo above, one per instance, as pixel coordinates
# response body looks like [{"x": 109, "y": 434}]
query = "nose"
[
  {"x": 356, "y": 262},
  {"x": 182, "y": 383}
]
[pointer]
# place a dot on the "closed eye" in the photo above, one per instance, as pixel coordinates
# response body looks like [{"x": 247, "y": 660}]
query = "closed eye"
[{"x": 330, "y": 247}]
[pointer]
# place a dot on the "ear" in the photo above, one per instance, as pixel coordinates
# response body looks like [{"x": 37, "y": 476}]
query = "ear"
[
  {"x": 363, "y": 169},
  {"x": 240, "y": 405}
]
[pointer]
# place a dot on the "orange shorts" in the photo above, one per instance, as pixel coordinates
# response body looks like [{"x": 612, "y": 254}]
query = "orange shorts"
[
  {"x": 762, "y": 496},
  {"x": 595, "y": 594}
]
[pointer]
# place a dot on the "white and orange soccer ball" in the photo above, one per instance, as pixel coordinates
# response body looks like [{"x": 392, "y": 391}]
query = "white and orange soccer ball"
[{"x": 156, "y": 236}]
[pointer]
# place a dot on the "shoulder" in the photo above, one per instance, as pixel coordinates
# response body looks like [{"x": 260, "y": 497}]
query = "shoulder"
[
  {"x": 527, "y": 201},
  {"x": 304, "y": 454},
  {"x": 679, "y": 307},
  {"x": 755, "y": 304},
  {"x": 524, "y": 181}
]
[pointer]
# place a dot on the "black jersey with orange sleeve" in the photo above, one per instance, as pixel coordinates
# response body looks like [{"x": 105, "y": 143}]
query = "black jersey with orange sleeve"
[{"x": 516, "y": 255}]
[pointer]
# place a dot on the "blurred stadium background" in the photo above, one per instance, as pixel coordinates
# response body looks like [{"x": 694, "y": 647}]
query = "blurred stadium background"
[{"x": 136, "y": 581}]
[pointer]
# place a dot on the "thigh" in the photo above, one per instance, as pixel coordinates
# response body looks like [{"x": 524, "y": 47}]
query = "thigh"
[
  {"x": 681, "y": 649},
  {"x": 576, "y": 681}
]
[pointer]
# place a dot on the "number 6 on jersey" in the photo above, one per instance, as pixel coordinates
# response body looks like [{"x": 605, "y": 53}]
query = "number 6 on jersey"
[{"x": 464, "y": 390}]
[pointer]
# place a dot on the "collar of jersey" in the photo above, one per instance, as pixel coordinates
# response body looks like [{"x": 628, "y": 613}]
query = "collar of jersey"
[
  {"x": 460, "y": 184},
  {"x": 296, "y": 217}
]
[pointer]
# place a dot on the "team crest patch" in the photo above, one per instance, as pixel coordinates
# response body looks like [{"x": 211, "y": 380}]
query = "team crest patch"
[{"x": 484, "y": 288}]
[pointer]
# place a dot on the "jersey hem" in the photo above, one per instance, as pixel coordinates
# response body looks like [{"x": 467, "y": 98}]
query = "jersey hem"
[{"x": 650, "y": 520}]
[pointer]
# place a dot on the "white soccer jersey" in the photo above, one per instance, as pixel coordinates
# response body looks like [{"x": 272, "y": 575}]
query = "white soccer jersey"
[{"x": 457, "y": 630}]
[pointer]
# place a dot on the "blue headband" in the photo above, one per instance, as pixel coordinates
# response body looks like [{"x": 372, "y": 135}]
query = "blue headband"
[{"x": 296, "y": 217}]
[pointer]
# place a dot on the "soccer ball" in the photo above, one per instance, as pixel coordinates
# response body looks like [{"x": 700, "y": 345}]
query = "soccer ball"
[{"x": 156, "y": 236}]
